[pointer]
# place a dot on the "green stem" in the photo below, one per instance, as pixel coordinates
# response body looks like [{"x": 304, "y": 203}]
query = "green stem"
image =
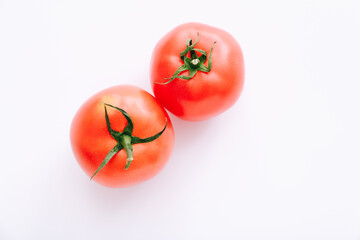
[{"x": 125, "y": 141}]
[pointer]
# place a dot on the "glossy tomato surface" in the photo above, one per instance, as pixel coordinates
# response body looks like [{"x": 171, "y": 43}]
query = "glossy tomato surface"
[
  {"x": 91, "y": 140},
  {"x": 206, "y": 94}
]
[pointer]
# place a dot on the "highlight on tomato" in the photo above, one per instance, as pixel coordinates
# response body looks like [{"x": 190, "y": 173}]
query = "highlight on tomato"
[
  {"x": 121, "y": 136},
  {"x": 197, "y": 71}
]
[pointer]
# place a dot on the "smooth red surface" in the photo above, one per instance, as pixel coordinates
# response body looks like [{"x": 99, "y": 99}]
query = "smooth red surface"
[
  {"x": 91, "y": 140},
  {"x": 207, "y": 94}
]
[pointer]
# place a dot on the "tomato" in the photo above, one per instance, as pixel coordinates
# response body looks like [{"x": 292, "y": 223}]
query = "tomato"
[
  {"x": 121, "y": 136},
  {"x": 194, "y": 77}
]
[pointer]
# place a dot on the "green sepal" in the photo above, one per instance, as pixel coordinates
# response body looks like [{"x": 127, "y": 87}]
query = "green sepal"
[
  {"x": 189, "y": 46},
  {"x": 202, "y": 59},
  {"x": 149, "y": 139},
  {"x": 108, "y": 157},
  {"x": 130, "y": 125},
  {"x": 193, "y": 54},
  {"x": 210, "y": 61},
  {"x": 204, "y": 69},
  {"x": 111, "y": 131},
  {"x": 124, "y": 139},
  {"x": 188, "y": 65},
  {"x": 192, "y": 72},
  {"x": 176, "y": 74},
  {"x": 200, "y": 51}
]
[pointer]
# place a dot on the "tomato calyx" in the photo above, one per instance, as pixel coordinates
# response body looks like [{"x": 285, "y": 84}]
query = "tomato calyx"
[
  {"x": 125, "y": 140},
  {"x": 192, "y": 62}
]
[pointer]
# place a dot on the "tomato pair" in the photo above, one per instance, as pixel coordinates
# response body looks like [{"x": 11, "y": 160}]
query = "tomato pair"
[{"x": 122, "y": 135}]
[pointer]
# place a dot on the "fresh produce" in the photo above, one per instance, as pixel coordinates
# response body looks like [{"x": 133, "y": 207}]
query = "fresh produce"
[
  {"x": 197, "y": 71},
  {"x": 121, "y": 136}
]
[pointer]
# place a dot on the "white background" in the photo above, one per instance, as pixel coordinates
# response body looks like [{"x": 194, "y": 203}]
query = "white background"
[{"x": 283, "y": 163}]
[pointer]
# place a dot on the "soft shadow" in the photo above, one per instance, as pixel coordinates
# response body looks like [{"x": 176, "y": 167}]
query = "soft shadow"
[
  {"x": 187, "y": 132},
  {"x": 113, "y": 201}
]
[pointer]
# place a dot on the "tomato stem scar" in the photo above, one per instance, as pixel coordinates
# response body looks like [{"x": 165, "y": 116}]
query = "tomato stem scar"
[{"x": 195, "y": 61}]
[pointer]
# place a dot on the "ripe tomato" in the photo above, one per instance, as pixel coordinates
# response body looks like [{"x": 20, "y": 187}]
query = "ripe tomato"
[
  {"x": 118, "y": 126},
  {"x": 194, "y": 78}
]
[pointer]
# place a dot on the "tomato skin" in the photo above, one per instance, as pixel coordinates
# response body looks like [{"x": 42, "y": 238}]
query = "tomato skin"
[
  {"x": 206, "y": 94},
  {"x": 91, "y": 140}
]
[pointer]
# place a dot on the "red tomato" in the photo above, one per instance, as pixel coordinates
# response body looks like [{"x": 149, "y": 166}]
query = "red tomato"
[
  {"x": 120, "y": 124},
  {"x": 207, "y": 93}
]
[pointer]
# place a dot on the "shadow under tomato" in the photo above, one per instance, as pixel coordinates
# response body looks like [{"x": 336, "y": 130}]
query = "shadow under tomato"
[
  {"x": 190, "y": 145},
  {"x": 189, "y": 132}
]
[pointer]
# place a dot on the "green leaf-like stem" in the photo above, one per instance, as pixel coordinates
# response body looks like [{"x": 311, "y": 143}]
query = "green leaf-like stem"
[
  {"x": 112, "y": 152},
  {"x": 130, "y": 125},
  {"x": 189, "y": 62},
  {"x": 149, "y": 139},
  {"x": 125, "y": 139}
]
